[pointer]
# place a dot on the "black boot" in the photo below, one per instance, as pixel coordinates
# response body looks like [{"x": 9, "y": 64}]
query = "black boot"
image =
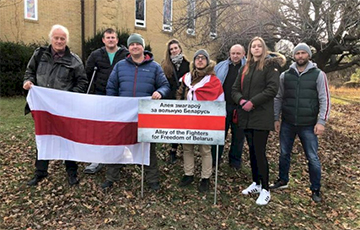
[
  {"x": 172, "y": 157},
  {"x": 186, "y": 180},
  {"x": 204, "y": 185},
  {"x": 72, "y": 179},
  {"x": 107, "y": 184},
  {"x": 35, "y": 180}
]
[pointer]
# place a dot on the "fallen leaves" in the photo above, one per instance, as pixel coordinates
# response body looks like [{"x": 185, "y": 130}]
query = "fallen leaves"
[{"x": 55, "y": 205}]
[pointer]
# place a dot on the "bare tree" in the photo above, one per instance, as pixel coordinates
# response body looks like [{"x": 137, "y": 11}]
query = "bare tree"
[{"x": 331, "y": 27}]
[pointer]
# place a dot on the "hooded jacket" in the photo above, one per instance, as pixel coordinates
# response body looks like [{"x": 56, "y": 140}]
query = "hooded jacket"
[
  {"x": 260, "y": 87},
  {"x": 131, "y": 79},
  {"x": 100, "y": 59},
  {"x": 303, "y": 98}
]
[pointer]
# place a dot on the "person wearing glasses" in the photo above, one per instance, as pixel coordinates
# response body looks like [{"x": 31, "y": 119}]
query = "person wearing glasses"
[{"x": 200, "y": 84}]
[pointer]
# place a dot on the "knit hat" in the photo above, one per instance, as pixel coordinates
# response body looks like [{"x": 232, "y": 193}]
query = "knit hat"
[
  {"x": 202, "y": 52},
  {"x": 135, "y": 38},
  {"x": 302, "y": 46}
]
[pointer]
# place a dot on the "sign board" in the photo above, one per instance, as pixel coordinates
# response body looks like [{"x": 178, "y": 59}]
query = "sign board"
[{"x": 187, "y": 122}]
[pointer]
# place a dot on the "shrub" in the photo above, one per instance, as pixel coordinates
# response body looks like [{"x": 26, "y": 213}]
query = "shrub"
[{"x": 13, "y": 60}]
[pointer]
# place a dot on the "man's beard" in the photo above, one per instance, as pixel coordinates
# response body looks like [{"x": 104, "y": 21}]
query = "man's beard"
[{"x": 302, "y": 64}]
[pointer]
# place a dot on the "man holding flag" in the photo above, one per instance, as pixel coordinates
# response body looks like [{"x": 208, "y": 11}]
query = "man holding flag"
[
  {"x": 58, "y": 68},
  {"x": 99, "y": 66},
  {"x": 137, "y": 76}
]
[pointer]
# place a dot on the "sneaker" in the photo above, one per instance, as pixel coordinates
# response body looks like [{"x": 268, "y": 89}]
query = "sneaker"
[
  {"x": 264, "y": 197},
  {"x": 204, "y": 185},
  {"x": 93, "y": 168},
  {"x": 186, "y": 180},
  {"x": 316, "y": 196},
  {"x": 279, "y": 184},
  {"x": 253, "y": 188},
  {"x": 107, "y": 184}
]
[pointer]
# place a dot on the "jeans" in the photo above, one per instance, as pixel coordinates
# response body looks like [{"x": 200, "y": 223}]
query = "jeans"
[
  {"x": 309, "y": 142},
  {"x": 237, "y": 140}
]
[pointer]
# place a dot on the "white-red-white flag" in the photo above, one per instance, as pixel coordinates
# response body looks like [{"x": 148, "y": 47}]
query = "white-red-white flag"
[{"x": 86, "y": 128}]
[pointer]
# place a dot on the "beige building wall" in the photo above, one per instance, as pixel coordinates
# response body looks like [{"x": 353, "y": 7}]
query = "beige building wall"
[
  {"x": 13, "y": 26},
  {"x": 109, "y": 13},
  {"x": 121, "y": 15}
]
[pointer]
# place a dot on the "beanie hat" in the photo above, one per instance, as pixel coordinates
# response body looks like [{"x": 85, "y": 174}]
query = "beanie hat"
[
  {"x": 302, "y": 46},
  {"x": 202, "y": 52},
  {"x": 135, "y": 38}
]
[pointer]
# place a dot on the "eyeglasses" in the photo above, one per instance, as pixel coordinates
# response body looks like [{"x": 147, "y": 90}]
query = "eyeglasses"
[{"x": 200, "y": 58}]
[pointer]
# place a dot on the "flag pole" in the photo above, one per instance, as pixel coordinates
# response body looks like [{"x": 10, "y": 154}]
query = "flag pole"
[
  {"x": 216, "y": 172},
  {"x": 92, "y": 79},
  {"x": 142, "y": 170}
]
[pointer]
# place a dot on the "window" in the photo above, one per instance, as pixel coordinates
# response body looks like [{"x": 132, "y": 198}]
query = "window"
[
  {"x": 167, "y": 21},
  {"x": 213, "y": 16},
  {"x": 30, "y": 10},
  {"x": 191, "y": 18},
  {"x": 140, "y": 13}
]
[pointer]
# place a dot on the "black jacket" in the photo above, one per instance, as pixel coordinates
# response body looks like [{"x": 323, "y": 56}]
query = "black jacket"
[
  {"x": 174, "y": 80},
  {"x": 260, "y": 87},
  {"x": 100, "y": 59},
  {"x": 66, "y": 73}
]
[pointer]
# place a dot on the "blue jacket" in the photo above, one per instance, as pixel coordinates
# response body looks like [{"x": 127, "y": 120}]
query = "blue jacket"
[
  {"x": 130, "y": 79},
  {"x": 222, "y": 68}
]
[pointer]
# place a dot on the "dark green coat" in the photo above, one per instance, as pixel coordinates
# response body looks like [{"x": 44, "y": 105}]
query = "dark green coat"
[{"x": 260, "y": 87}]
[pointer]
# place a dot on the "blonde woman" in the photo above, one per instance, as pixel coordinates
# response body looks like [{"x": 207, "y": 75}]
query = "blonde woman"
[{"x": 254, "y": 90}]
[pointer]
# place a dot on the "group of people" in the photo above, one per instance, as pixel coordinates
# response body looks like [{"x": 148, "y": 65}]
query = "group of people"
[{"x": 258, "y": 99}]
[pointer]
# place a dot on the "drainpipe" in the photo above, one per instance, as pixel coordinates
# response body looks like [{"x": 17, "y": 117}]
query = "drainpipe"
[
  {"x": 82, "y": 30},
  {"x": 94, "y": 18}
]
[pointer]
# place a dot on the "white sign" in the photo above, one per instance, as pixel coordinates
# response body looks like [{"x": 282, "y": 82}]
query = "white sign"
[{"x": 188, "y": 122}]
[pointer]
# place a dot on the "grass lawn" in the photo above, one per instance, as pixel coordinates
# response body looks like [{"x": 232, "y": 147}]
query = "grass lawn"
[{"x": 55, "y": 205}]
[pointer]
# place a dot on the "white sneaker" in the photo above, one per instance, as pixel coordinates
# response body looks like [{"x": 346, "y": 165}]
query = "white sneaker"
[
  {"x": 253, "y": 188},
  {"x": 264, "y": 197},
  {"x": 93, "y": 168}
]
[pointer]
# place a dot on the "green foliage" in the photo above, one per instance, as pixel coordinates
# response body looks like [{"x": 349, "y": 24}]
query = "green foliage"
[
  {"x": 96, "y": 42},
  {"x": 13, "y": 60},
  {"x": 355, "y": 77}
]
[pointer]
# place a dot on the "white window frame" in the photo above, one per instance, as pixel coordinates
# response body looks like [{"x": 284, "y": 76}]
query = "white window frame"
[
  {"x": 31, "y": 13},
  {"x": 140, "y": 22},
  {"x": 167, "y": 24}
]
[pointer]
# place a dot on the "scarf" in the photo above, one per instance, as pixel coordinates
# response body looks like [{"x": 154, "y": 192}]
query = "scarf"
[
  {"x": 177, "y": 60},
  {"x": 208, "y": 89}
]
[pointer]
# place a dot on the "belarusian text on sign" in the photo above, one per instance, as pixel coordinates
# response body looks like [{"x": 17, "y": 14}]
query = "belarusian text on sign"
[{"x": 173, "y": 121}]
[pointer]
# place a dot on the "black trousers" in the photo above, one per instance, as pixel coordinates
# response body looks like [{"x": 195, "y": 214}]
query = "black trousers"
[
  {"x": 43, "y": 165},
  {"x": 257, "y": 140}
]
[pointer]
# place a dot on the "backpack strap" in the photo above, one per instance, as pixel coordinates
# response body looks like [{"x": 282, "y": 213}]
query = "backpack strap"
[{"x": 39, "y": 55}]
